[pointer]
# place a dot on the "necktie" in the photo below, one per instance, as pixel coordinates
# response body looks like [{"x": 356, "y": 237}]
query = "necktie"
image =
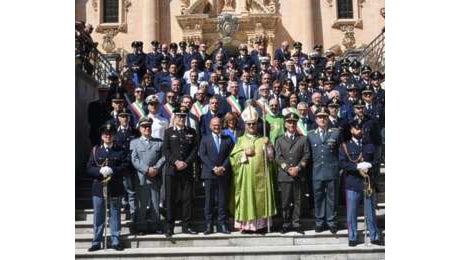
[
  {"x": 321, "y": 135},
  {"x": 217, "y": 141},
  {"x": 292, "y": 137}
]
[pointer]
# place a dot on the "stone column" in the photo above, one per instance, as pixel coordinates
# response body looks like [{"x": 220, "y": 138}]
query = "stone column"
[
  {"x": 308, "y": 32},
  {"x": 151, "y": 30}
]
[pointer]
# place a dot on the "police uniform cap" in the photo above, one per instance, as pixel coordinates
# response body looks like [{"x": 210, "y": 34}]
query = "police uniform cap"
[
  {"x": 351, "y": 86},
  {"x": 335, "y": 102},
  {"x": 134, "y": 44},
  {"x": 367, "y": 89},
  {"x": 138, "y": 87},
  {"x": 359, "y": 103},
  {"x": 343, "y": 72},
  {"x": 318, "y": 47},
  {"x": 182, "y": 44},
  {"x": 358, "y": 124},
  {"x": 152, "y": 99},
  {"x": 355, "y": 64},
  {"x": 145, "y": 121},
  {"x": 291, "y": 117},
  {"x": 173, "y": 45},
  {"x": 164, "y": 61},
  {"x": 322, "y": 111},
  {"x": 366, "y": 69},
  {"x": 155, "y": 43},
  {"x": 297, "y": 45},
  {"x": 108, "y": 127},
  {"x": 376, "y": 75},
  {"x": 117, "y": 97},
  {"x": 123, "y": 112},
  {"x": 181, "y": 111},
  {"x": 328, "y": 80},
  {"x": 345, "y": 62},
  {"x": 321, "y": 76}
]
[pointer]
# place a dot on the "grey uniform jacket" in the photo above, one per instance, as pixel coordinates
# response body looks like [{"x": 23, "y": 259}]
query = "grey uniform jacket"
[
  {"x": 144, "y": 155},
  {"x": 325, "y": 154},
  {"x": 292, "y": 153}
]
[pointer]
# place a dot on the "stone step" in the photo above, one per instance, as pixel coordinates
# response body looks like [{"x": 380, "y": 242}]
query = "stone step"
[
  {"x": 234, "y": 239},
  {"x": 86, "y": 226},
  {"x": 283, "y": 252}
]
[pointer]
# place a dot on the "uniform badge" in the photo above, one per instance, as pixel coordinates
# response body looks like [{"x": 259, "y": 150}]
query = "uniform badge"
[{"x": 283, "y": 165}]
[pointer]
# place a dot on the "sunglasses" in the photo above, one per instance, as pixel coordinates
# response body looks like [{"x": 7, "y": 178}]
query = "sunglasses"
[{"x": 251, "y": 124}]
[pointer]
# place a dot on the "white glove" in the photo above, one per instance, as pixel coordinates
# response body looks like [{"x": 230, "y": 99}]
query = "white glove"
[
  {"x": 367, "y": 165},
  {"x": 360, "y": 166},
  {"x": 106, "y": 171}
]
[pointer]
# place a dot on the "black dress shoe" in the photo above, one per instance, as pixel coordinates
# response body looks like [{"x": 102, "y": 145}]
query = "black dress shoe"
[
  {"x": 188, "y": 230},
  {"x": 377, "y": 242},
  {"x": 299, "y": 230},
  {"x": 333, "y": 229},
  {"x": 118, "y": 247},
  {"x": 169, "y": 233},
  {"x": 94, "y": 248},
  {"x": 224, "y": 229},
  {"x": 284, "y": 230},
  {"x": 352, "y": 242},
  {"x": 319, "y": 229},
  {"x": 209, "y": 230}
]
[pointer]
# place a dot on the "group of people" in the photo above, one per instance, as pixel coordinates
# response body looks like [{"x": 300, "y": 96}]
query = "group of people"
[{"x": 260, "y": 133}]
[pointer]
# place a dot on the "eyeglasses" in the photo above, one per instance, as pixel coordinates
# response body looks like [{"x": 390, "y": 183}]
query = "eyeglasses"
[
  {"x": 250, "y": 124},
  {"x": 169, "y": 96},
  {"x": 264, "y": 89}
]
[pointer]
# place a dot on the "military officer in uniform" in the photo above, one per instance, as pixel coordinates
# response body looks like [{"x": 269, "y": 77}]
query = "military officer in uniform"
[
  {"x": 107, "y": 162},
  {"x": 292, "y": 153},
  {"x": 324, "y": 145},
  {"x": 180, "y": 149},
  {"x": 147, "y": 159},
  {"x": 357, "y": 159}
]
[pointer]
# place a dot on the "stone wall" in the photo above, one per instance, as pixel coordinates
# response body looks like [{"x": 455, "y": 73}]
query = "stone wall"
[{"x": 85, "y": 92}]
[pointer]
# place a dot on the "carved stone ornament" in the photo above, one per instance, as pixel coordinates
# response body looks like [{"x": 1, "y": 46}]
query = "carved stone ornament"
[
  {"x": 349, "y": 36},
  {"x": 94, "y": 4},
  {"x": 227, "y": 25},
  {"x": 126, "y": 5},
  {"x": 228, "y": 6},
  {"x": 108, "y": 45},
  {"x": 330, "y": 2}
]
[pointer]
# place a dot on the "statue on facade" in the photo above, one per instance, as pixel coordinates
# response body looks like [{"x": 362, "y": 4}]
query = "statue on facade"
[{"x": 228, "y": 5}]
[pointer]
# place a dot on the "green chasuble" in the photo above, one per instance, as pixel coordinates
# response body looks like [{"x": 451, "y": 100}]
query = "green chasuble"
[
  {"x": 252, "y": 199},
  {"x": 276, "y": 126}
]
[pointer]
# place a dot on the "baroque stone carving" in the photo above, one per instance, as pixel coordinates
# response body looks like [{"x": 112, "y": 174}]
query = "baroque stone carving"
[
  {"x": 349, "y": 36},
  {"x": 94, "y": 4},
  {"x": 227, "y": 25},
  {"x": 108, "y": 45}
]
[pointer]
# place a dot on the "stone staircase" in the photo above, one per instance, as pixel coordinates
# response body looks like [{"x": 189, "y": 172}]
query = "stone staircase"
[{"x": 235, "y": 245}]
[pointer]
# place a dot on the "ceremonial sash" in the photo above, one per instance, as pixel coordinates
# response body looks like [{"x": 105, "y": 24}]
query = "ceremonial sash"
[
  {"x": 169, "y": 109},
  {"x": 263, "y": 106},
  {"x": 137, "y": 109},
  {"x": 197, "y": 110},
  {"x": 301, "y": 129},
  {"x": 234, "y": 104}
]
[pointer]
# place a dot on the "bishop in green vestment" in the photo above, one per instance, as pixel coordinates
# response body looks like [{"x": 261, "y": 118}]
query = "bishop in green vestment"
[{"x": 254, "y": 197}]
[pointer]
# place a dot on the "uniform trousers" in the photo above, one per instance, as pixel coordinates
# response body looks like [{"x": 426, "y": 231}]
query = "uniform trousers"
[
  {"x": 114, "y": 204},
  {"x": 353, "y": 198},
  {"x": 291, "y": 193},
  {"x": 178, "y": 188},
  {"x": 325, "y": 193}
]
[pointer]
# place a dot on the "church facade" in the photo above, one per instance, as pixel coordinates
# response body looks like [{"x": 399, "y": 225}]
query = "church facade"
[{"x": 334, "y": 24}]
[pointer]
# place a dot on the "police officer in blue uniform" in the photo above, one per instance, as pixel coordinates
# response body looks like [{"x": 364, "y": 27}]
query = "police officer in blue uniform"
[
  {"x": 125, "y": 133},
  {"x": 376, "y": 78},
  {"x": 107, "y": 162},
  {"x": 154, "y": 58},
  {"x": 136, "y": 60},
  {"x": 357, "y": 160},
  {"x": 324, "y": 145}
]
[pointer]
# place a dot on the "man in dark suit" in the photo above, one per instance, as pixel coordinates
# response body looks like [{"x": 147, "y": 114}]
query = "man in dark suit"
[
  {"x": 247, "y": 89},
  {"x": 290, "y": 74},
  {"x": 214, "y": 153},
  {"x": 180, "y": 148},
  {"x": 292, "y": 153},
  {"x": 136, "y": 60},
  {"x": 154, "y": 58},
  {"x": 324, "y": 145},
  {"x": 282, "y": 54},
  {"x": 214, "y": 111}
]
